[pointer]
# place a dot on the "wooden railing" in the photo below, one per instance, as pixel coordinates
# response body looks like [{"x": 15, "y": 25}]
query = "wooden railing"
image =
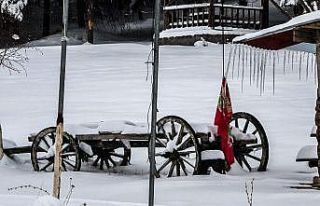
[
  {"x": 191, "y": 15},
  {"x": 246, "y": 17}
]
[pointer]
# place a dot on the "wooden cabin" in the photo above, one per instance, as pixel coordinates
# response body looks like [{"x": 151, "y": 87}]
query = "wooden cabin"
[{"x": 246, "y": 14}]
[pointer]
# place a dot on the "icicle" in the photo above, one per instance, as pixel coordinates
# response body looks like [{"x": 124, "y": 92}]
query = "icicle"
[
  {"x": 242, "y": 76},
  {"x": 300, "y": 65},
  {"x": 273, "y": 73},
  {"x": 234, "y": 58},
  {"x": 284, "y": 61},
  {"x": 289, "y": 57},
  {"x": 243, "y": 54},
  {"x": 258, "y": 67},
  {"x": 250, "y": 64},
  {"x": 246, "y": 57},
  {"x": 264, "y": 56},
  {"x": 263, "y": 79},
  {"x": 254, "y": 64},
  {"x": 239, "y": 60},
  {"x": 292, "y": 58},
  {"x": 307, "y": 66},
  {"x": 229, "y": 60}
]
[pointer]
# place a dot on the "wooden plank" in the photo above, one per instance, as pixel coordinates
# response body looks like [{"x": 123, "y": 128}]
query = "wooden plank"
[
  {"x": 57, "y": 162},
  {"x": 1, "y": 144},
  {"x": 112, "y": 136},
  {"x": 17, "y": 150},
  {"x": 305, "y": 35},
  {"x": 312, "y": 26}
]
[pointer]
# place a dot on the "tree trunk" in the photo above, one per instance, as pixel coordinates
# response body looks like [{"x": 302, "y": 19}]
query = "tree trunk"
[
  {"x": 81, "y": 11},
  {"x": 90, "y": 20},
  {"x": 265, "y": 13},
  {"x": 46, "y": 18}
]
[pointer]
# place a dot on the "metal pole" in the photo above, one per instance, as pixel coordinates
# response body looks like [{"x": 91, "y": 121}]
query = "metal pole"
[
  {"x": 59, "y": 131},
  {"x": 316, "y": 180},
  {"x": 1, "y": 144},
  {"x": 154, "y": 101}
]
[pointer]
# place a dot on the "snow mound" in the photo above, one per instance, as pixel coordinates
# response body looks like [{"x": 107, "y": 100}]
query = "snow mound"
[
  {"x": 307, "y": 152},
  {"x": 47, "y": 201},
  {"x": 201, "y": 43},
  {"x": 212, "y": 155}
]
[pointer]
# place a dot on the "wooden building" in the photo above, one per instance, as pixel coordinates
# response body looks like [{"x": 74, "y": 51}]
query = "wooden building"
[{"x": 302, "y": 29}]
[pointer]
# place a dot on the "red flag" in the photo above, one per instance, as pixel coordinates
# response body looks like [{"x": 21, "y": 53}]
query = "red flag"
[{"x": 222, "y": 119}]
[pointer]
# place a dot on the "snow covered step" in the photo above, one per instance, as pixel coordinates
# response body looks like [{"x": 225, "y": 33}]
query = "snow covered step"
[{"x": 307, "y": 153}]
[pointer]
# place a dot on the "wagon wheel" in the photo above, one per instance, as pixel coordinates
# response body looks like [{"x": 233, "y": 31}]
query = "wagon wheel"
[
  {"x": 42, "y": 151},
  {"x": 112, "y": 154},
  {"x": 251, "y": 156},
  {"x": 178, "y": 154}
]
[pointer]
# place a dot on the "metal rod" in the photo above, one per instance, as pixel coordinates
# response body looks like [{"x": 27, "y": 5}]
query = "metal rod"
[
  {"x": 154, "y": 100},
  {"x": 317, "y": 116},
  {"x": 59, "y": 131}
]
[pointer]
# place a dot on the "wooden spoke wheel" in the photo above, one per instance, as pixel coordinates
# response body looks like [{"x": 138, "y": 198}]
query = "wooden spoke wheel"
[
  {"x": 178, "y": 153},
  {"x": 42, "y": 151},
  {"x": 251, "y": 155},
  {"x": 112, "y": 154}
]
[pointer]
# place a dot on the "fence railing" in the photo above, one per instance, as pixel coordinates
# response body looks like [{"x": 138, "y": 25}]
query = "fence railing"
[{"x": 213, "y": 15}]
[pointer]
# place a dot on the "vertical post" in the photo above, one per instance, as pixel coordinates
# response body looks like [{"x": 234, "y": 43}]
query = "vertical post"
[
  {"x": 59, "y": 131},
  {"x": 316, "y": 180},
  {"x": 154, "y": 101},
  {"x": 265, "y": 13},
  {"x": 211, "y": 14}
]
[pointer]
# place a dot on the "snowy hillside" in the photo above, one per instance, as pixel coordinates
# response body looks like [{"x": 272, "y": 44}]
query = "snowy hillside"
[{"x": 108, "y": 83}]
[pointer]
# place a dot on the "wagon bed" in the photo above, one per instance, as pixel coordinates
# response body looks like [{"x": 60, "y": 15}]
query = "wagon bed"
[{"x": 180, "y": 146}]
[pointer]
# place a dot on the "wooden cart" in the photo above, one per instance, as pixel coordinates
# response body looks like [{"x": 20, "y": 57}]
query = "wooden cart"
[{"x": 179, "y": 149}]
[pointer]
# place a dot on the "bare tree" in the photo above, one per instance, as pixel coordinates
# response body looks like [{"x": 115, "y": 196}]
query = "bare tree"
[
  {"x": 301, "y": 6},
  {"x": 12, "y": 54}
]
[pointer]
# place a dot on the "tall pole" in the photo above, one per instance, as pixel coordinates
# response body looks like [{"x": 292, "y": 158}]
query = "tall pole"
[
  {"x": 154, "y": 100},
  {"x": 316, "y": 180},
  {"x": 59, "y": 131}
]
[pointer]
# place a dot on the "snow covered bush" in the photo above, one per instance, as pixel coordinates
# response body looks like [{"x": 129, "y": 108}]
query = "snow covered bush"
[
  {"x": 12, "y": 54},
  {"x": 13, "y": 8},
  {"x": 301, "y": 6}
]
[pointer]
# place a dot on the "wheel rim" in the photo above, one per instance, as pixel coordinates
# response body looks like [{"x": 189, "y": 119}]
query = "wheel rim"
[
  {"x": 112, "y": 156},
  {"x": 177, "y": 154},
  {"x": 42, "y": 153},
  {"x": 250, "y": 156}
]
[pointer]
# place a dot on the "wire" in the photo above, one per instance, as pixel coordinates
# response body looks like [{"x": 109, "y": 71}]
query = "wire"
[{"x": 223, "y": 38}]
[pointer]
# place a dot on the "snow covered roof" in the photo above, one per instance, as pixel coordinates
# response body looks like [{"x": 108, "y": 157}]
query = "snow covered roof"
[{"x": 281, "y": 35}]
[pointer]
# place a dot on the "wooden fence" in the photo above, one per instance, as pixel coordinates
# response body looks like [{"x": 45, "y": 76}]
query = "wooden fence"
[{"x": 213, "y": 15}]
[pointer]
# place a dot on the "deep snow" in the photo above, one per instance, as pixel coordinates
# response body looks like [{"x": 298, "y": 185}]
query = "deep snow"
[{"x": 108, "y": 82}]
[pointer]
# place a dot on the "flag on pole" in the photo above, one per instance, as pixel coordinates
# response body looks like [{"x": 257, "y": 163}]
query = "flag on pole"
[{"x": 222, "y": 119}]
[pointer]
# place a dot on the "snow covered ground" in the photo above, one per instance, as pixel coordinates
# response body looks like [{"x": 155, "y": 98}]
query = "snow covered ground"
[{"x": 108, "y": 82}]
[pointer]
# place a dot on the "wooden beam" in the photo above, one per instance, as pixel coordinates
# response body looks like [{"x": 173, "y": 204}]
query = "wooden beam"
[
  {"x": 312, "y": 26},
  {"x": 274, "y": 42},
  {"x": 17, "y": 150},
  {"x": 301, "y": 35}
]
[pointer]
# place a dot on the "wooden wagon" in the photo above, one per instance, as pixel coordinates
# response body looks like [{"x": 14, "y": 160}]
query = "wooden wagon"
[{"x": 179, "y": 149}]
